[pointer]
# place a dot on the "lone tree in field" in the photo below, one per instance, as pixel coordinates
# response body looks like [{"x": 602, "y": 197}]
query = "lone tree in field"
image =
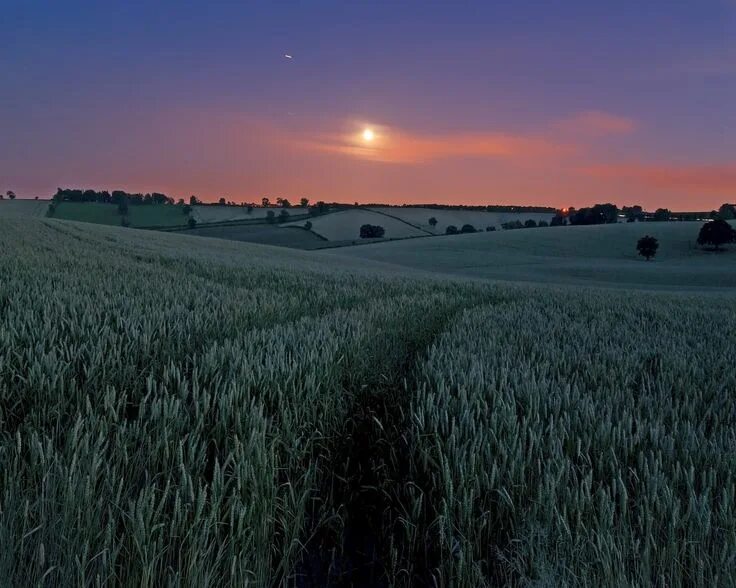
[
  {"x": 371, "y": 232},
  {"x": 433, "y": 222},
  {"x": 304, "y": 202},
  {"x": 308, "y": 225},
  {"x": 647, "y": 247},
  {"x": 716, "y": 233}
]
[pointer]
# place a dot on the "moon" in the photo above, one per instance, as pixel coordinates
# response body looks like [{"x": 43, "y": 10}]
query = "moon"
[{"x": 368, "y": 135}]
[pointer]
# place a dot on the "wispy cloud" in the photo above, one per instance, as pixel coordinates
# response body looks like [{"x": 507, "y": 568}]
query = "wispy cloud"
[
  {"x": 705, "y": 179},
  {"x": 393, "y": 145},
  {"x": 596, "y": 123}
]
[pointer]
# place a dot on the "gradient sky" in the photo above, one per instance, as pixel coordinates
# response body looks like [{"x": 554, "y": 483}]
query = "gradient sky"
[{"x": 551, "y": 103}]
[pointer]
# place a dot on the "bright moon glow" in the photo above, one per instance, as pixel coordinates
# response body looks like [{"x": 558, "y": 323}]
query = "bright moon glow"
[{"x": 368, "y": 135}]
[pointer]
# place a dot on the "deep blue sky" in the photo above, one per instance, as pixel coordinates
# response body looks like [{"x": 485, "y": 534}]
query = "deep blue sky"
[{"x": 551, "y": 103}]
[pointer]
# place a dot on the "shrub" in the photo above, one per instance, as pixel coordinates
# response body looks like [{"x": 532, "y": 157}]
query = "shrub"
[
  {"x": 371, "y": 232},
  {"x": 543, "y": 223},
  {"x": 490, "y": 228},
  {"x": 530, "y": 223},
  {"x": 647, "y": 247},
  {"x": 432, "y": 222},
  {"x": 308, "y": 225},
  {"x": 467, "y": 228},
  {"x": 716, "y": 233},
  {"x": 451, "y": 230},
  {"x": 271, "y": 216},
  {"x": 283, "y": 216}
]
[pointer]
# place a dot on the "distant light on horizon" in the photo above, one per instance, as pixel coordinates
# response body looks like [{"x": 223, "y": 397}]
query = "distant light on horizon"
[{"x": 368, "y": 135}]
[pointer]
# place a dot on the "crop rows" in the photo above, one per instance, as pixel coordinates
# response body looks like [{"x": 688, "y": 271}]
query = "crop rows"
[{"x": 180, "y": 411}]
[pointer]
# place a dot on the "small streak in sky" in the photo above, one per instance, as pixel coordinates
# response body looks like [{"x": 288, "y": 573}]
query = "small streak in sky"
[{"x": 288, "y": 56}]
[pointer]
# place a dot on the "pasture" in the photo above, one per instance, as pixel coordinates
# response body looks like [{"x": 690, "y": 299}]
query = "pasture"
[
  {"x": 345, "y": 225},
  {"x": 18, "y": 207},
  {"x": 602, "y": 255},
  {"x": 195, "y": 411},
  {"x": 141, "y": 216},
  {"x": 419, "y": 217}
]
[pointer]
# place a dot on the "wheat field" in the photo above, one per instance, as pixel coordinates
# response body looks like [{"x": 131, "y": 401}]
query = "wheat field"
[{"x": 184, "y": 411}]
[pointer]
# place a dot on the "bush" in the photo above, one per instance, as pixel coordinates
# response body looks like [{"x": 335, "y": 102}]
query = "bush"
[
  {"x": 271, "y": 216},
  {"x": 716, "y": 233},
  {"x": 467, "y": 229},
  {"x": 371, "y": 232},
  {"x": 451, "y": 230},
  {"x": 283, "y": 216},
  {"x": 432, "y": 222},
  {"x": 543, "y": 223},
  {"x": 530, "y": 224},
  {"x": 308, "y": 225},
  {"x": 647, "y": 247},
  {"x": 512, "y": 225},
  {"x": 490, "y": 228}
]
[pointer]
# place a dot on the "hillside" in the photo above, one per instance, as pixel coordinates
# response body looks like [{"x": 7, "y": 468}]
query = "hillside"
[
  {"x": 14, "y": 208},
  {"x": 345, "y": 225},
  {"x": 194, "y": 411},
  {"x": 446, "y": 217},
  {"x": 595, "y": 255}
]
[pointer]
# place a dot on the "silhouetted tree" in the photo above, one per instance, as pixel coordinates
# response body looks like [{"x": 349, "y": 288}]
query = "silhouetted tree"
[
  {"x": 433, "y": 222},
  {"x": 647, "y": 247},
  {"x": 222, "y": 202},
  {"x": 451, "y": 230},
  {"x": 727, "y": 212},
  {"x": 558, "y": 220},
  {"x": 285, "y": 203},
  {"x": 467, "y": 228},
  {"x": 633, "y": 213},
  {"x": 716, "y": 233},
  {"x": 304, "y": 202},
  {"x": 596, "y": 215},
  {"x": 265, "y": 201},
  {"x": 193, "y": 200},
  {"x": 662, "y": 215},
  {"x": 11, "y": 194},
  {"x": 530, "y": 223},
  {"x": 371, "y": 232}
]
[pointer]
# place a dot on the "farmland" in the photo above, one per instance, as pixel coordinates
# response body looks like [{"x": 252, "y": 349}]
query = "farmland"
[
  {"x": 152, "y": 215},
  {"x": 195, "y": 411},
  {"x": 13, "y": 208},
  {"x": 602, "y": 255}
]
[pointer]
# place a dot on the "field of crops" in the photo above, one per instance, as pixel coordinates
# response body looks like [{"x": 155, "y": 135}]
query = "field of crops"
[
  {"x": 190, "y": 411},
  {"x": 150, "y": 215}
]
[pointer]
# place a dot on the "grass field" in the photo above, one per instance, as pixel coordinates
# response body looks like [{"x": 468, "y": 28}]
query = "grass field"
[
  {"x": 192, "y": 411},
  {"x": 345, "y": 225},
  {"x": 150, "y": 215},
  {"x": 13, "y": 208},
  {"x": 293, "y": 236},
  {"x": 219, "y": 214},
  {"x": 594, "y": 255},
  {"x": 419, "y": 217}
]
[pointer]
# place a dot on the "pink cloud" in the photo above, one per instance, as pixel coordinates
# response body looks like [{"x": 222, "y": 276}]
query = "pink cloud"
[
  {"x": 596, "y": 123},
  {"x": 706, "y": 179},
  {"x": 392, "y": 145}
]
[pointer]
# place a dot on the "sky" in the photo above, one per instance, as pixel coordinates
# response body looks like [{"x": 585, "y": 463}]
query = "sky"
[{"x": 555, "y": 103}]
